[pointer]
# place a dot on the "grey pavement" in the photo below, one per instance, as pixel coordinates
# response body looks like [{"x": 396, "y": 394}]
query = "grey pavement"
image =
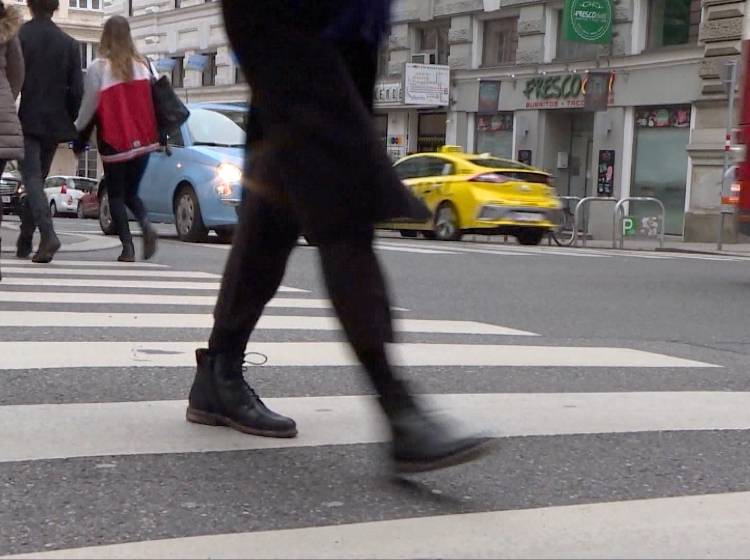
[{"x": 656, "y": 443}]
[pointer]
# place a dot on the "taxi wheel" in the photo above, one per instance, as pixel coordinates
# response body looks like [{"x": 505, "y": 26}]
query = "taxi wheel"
[
  {"x": 530, "y": 236},
  {"x": 446, "y": 223}
]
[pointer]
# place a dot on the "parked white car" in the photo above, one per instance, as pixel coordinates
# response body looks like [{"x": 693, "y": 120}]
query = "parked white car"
[{"x": 65, "y": 193}]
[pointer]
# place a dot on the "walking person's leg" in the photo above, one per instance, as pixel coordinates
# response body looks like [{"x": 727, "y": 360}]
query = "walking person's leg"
[
  {"x": 264, "y": 239},
  {"x": 2, "y": 170},
  {"x": 117, "y": 175},
  {"x": 34, "y": 168},
  {"x": 134, "y": 173},
  {"x": 360, "y": 297}
]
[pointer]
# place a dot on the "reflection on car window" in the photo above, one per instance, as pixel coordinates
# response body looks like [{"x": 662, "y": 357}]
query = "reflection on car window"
[
  {"x": 210, "y": 128},
  {"x": 500, "y": 163},
  {"x": 408, "y": 169},
  {"x": 435, "y": 167}
]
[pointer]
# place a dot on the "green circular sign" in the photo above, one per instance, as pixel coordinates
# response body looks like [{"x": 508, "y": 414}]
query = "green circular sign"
[{"x": 591, "y": 20}]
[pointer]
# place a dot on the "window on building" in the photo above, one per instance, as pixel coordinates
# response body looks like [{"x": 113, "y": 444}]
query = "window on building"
[
  {"x": 500, "y": 41},
  {"x": 384, "y": 58},
  {"x": 494, "y": 135},
  {"x": 573, "y": 50},
  {"x": 673, "y": 22},
  {"x": 209, "y": 72},
  {"x": 86, "y": 4},
  {"x": 88, "y": 53},
  {"x": 239, "y": 75},
  {"x": 87, "y": 163},
  {"x": 433, "y": 41},
  {"x": 178, "y": 72}
]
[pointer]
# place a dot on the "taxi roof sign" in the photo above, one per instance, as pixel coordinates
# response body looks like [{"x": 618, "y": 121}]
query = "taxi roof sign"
[{"x": 451, "y": 150}]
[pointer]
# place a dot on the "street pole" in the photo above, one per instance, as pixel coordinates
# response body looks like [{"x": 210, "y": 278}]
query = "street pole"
[{"x": 730, "y": 84}]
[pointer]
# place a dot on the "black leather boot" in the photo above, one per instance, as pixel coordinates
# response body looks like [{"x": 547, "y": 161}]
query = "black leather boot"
[
  {"x": 150, "y": 240},
  {"x": 48, "y": 246},
  {"x": 220, "y": 396},
  {"x": 23, "y": 247},
  {"x": 422, "y": 442},
  {"x": 128, "y": 253}
]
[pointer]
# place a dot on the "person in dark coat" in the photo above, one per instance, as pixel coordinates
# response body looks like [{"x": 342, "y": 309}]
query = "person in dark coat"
[
  {"x": 50, "y": 101},
  {"x": 11, "y": 80},
  {"x": 315, "y": 167}
]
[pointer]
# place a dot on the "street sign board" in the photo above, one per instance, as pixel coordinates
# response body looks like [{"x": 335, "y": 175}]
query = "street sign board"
[
  {"x": 427, "y": 85},
  {"x": 588, "y": 21}
]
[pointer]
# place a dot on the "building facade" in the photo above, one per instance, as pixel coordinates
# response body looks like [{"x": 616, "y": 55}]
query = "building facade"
[
  {"x": 515, "y": 88},
  {"x": 82, "y": 19}
]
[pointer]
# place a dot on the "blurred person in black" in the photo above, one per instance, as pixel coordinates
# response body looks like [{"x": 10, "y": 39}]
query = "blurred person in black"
[
  {"x": 50, "y": 101},
  {"x": 315, "y": 167}
]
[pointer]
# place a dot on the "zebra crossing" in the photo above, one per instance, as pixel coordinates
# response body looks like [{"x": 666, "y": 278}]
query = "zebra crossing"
[{"x": 112, "y": 477}]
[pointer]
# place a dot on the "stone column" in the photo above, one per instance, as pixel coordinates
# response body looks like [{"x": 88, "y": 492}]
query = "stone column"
[{"x": 721, "y": 33}]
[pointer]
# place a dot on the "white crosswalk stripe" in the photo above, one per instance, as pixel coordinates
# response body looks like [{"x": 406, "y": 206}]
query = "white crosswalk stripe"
[{"x": 102, "y": 438}]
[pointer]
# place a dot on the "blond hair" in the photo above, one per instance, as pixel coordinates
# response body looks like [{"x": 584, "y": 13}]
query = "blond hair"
[{"x": 118, "y": 47}]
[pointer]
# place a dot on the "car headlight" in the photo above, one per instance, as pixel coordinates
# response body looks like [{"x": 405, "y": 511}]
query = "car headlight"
[
  {"x": 21, "y": 189},
  {"x": 229, "y": 173}
]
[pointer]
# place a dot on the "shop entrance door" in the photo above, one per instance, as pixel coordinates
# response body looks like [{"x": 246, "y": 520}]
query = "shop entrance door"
[
  {"x": 580, "y": 156},
  {"x": 432, "y": 129}
]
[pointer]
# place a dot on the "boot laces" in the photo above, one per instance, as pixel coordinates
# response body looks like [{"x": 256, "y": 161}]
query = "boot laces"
[{"x": 247, "y": 364}]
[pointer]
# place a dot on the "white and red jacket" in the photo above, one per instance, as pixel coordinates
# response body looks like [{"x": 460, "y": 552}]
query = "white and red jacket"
[{"x": 123, "y": 112}]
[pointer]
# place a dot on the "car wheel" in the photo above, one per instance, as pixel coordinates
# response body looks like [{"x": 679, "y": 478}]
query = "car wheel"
[
  {"x": 53, "y": 209},
  {"x": 187, "y": 217},
  {"x": 408, "y": 233},
  {"x": 446, "y": 223},
  {"x": 225, "y": 235},
  {"x": 105, "y": 214},
  {"x": 80, "y": 214},
  {"x": 530, "y": 236}
]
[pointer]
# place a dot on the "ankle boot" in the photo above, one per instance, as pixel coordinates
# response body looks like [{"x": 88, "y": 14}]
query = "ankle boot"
[
  {"x": 23, "y": 248},
  {"x": 422, "y": 442},
  {"x": 150, "y": 240},
  {"x": 220, "y": 396},
  {"x": 128, "y": 253},
  {"x": 48, "y": 246}
]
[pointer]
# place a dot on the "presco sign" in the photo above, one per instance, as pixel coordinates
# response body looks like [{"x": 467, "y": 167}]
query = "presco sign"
[{"x": 588, "y": 21}]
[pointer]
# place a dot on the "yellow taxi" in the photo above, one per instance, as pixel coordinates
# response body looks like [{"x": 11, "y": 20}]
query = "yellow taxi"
[{"x": 471, "y": 193}]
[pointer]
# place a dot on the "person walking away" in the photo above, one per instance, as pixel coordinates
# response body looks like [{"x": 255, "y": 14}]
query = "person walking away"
[
  {"x": 11, "y": 80},
  {"x": 50, "y": 100},
  {"x": 118, "y": 102},
  {"x": 315, "y": 166}
]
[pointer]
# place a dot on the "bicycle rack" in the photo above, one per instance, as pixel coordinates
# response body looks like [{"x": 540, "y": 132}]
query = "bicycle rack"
[
  {"x": 581, "y": 204},
  {"x": 617, "y": 219},
  {"x": 576, "y": 198}
]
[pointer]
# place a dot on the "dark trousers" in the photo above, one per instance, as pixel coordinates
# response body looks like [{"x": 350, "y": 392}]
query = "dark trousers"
[
  {"x": 35, "y": 212},
  {"x": 3, "y": 163},
  {"x": 263, "y": 242},
  {"x": 123, "y": 182}
]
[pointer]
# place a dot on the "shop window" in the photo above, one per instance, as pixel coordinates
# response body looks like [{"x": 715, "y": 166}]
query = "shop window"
[
  {"x": 433, "y": 42},
  {"x": 573, "y": 50},
  {"x": 381, "y": 128},
  {"x": 673, "y": 22},
  {"x": 494, "y": 135},
  {"x": 500, "y": 41},
  {"x": 661, "y": 161}
]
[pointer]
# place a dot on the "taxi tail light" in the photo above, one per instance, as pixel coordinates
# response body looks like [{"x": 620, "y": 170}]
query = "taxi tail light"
[
  {"x": 64, "y": 189},
  {"x": 490, "y": 178}
]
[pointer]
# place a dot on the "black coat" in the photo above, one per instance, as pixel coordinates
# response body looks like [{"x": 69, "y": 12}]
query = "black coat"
[
  {"x": 316, "y": 149},
  {"x": 53, "y": 89}
]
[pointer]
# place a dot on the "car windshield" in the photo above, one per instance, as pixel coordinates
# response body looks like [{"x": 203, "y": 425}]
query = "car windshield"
[
  {"x": 211, "y": 128},
  {"x": 85, "y": 185},
  {"x": 237, "y": 117}
]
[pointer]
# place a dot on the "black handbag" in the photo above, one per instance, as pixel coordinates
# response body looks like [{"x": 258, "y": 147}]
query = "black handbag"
[{"x": 171, "y": 112}]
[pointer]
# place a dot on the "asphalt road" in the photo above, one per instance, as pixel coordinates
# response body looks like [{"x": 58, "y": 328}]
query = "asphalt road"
[{"x": 618, "y": 390}]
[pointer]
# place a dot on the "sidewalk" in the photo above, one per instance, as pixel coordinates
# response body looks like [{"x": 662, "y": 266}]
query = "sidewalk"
[
  {"x": 676, "y": 245},
  {"x": 71, "y": 242}
]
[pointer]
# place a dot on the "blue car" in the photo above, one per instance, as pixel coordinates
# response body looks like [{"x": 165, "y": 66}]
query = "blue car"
[{"x": 198, "y": 186}]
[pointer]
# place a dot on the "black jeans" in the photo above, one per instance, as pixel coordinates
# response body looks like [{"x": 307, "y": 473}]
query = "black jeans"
[
  {"x": 123, "y": 181},
  {"x": 35, "y": 212}
]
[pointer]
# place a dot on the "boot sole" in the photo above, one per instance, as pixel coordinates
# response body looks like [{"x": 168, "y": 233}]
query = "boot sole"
[
  {"x": 464, "y": 456},
  {"x": 209, "y": 419}
]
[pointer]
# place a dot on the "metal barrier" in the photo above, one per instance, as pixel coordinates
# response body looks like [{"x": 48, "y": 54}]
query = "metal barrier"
[
  {"x": 551, "y": 233},
  {"x": 581, "y": 204},
  {"x": 617, "y": 219}
]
